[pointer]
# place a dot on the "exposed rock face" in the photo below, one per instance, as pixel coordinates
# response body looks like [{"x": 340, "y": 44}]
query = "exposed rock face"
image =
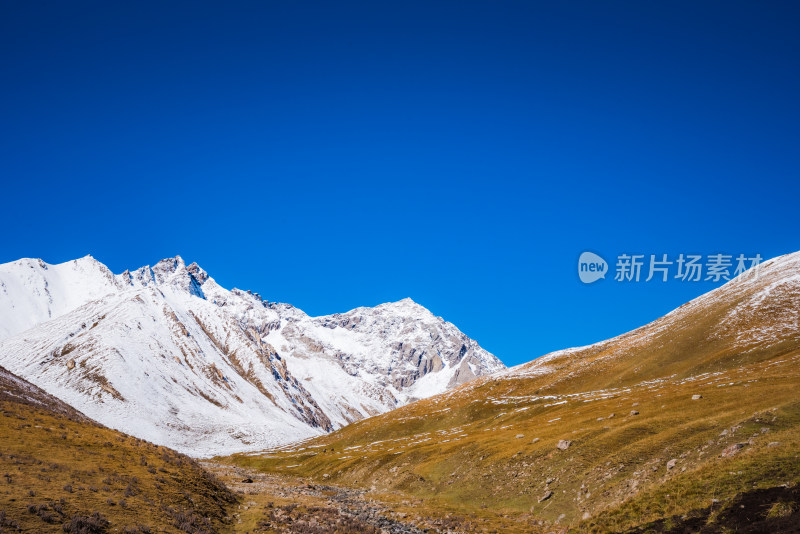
[
  {"x": 417, "y": 344},
  {"x": 166, "y": 354}
]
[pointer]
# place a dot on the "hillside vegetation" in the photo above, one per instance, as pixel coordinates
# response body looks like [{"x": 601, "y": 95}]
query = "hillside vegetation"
[
  {"x": 61, "y": 472},
  {"x": 689, "y": 423}
]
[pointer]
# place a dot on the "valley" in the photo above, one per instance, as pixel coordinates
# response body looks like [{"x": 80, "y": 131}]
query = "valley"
[
  {"x": 671, "y": 422},
  {"x": 690, "y": 423}
]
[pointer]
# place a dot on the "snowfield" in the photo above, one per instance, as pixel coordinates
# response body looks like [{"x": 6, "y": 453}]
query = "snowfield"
[{"x": 166, "y": 354}]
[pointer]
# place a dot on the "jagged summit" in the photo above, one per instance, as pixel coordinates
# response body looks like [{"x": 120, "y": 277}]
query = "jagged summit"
[{"x": 165, "y": 353}]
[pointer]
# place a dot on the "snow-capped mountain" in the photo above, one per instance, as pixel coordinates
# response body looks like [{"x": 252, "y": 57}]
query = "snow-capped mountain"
[{"x": 166, "y": 354}]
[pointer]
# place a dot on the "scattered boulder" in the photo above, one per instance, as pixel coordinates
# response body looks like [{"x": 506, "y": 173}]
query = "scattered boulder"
[
  {"x": 671, "y": 464},
  {"x": 248, "y": 480},
  {"x": 697, "y": 397},
  {"x": 773, "y": 444},
  {"x": 549, "y": 480},
  {"x": 732, "y": 449},
  {"x": 518, "y": 436},
  {"x": 634, "y": 412},
  {"x": 547, "y": 495},
  {"x": 564, "y": 444},
  {"x": 535, "y": 440},
  {"x": 326, "y": 475},
  {"x": 70, "y": 364}
]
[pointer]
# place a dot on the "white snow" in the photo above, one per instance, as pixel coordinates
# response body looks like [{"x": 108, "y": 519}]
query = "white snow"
[{"x": 166, "y": 354}]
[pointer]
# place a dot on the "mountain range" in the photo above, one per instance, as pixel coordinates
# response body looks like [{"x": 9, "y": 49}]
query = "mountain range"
[
  {"x": 690, "y": 423},
  {"x": 168, "y": 355}
]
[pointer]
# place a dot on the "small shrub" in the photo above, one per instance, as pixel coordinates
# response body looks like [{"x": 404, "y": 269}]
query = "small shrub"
[
  {"x": 43, "y": 511},
  {"x": 8, "y": 523},
  {"x": 189, "y": 522},
  {"x": 780, "y": 510},
  {"x": 93, "y": 524}
]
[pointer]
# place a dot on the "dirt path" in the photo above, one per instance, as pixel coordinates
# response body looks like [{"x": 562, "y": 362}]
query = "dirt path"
[{"x": 280, "y": 504}]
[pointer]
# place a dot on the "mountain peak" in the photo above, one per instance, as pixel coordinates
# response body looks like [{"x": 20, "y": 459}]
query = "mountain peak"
[
  {"x": 197, "y": 272},
  {"x": 171, "y": 264},
  {"x": 406, "y": 304}
]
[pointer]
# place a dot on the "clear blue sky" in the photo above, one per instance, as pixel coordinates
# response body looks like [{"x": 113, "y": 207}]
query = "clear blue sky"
[{"x": 338, "y": 154}]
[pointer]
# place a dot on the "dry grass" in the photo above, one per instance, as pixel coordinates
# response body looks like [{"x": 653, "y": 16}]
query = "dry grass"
[
  {"x": 489, "y": 450},
  {"x": 64, "y": 474}
]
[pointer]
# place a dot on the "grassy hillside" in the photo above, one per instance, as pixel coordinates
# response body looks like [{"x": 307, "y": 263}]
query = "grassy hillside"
[
  {"x": 690, "y": 422},
  {"x": 500, "y": 450},
  {"x": 61, "y": 472}
]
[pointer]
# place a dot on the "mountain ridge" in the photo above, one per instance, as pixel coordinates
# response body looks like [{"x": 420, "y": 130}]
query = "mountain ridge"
[{"x": 247, "y": 372}]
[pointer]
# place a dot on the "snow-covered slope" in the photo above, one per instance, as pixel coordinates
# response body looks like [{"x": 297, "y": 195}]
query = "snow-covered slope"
[
  {"x": 166, "y": 354},
  {"x": 32, "y": 291}
]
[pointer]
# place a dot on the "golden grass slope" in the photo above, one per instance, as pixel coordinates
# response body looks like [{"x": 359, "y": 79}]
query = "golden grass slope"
[
  {"x": 667, "y": 426},
  {"x": 61, "y": 472}
]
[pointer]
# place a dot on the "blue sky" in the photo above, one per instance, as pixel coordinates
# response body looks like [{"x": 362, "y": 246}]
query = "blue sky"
[{"x": 464, "y": 154}]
